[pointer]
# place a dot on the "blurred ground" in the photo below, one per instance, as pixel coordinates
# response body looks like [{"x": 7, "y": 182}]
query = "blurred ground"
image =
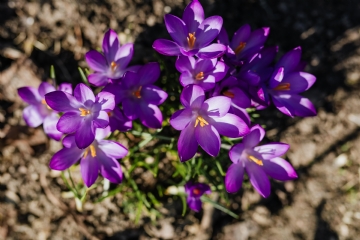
[{"x": 322, "y": 204}]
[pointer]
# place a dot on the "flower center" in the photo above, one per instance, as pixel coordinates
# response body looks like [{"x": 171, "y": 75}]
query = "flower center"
[
  {"x": 239, "y": 48},
  {"x": 44, "y": 102},
  {"x": 201, "y": 120},
  {"x": 137, "y": 93},
  {"x": 84, "y": 112},
  {"x": 191, "y": 40},
  {"x": 199, "y": 76},
  {"x": 282, "y": 87},
  {"x": 92, "y": 151},
  {"x": 109, "y": 114},
  {"x": 113, "y": 66},
  {"x": 229, "y": 94},
  {"x": 255, "y": 160},
  {"x": 196, "y": 191}
]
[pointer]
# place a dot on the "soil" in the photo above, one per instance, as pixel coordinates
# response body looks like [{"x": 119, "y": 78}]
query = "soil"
[{"x": 322, "y": 204}]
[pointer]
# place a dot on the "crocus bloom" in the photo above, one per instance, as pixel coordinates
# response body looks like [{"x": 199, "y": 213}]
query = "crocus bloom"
[
  {"x": 259, "y": 162},
  {"x": 192, "y": 34},
  {"x": 99, "y": 156},
  {"x": 140, "y": 97},
  {"x": 38, "y": 112},
  {"x": 202, "y": 72},
  {"x": 83, "y": 112},
  {"x": 244, "y": 43},
  {"x": 286, "y": 83},
  {"x": 113, "y": 64},
  {"x": 202, "y": 121},
  {"x": 194, "y": 192}
]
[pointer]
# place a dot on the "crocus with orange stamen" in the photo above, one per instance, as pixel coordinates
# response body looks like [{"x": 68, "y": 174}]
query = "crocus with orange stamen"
[{"x": 194, "y": 192}]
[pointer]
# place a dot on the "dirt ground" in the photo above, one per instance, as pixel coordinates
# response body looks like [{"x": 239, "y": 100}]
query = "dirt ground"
[{"x": 323, "y": 204}]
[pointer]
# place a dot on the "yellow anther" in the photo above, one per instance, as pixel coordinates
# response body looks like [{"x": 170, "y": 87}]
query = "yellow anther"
[
  {"x": 199, "y": 76},
  {"x": 44, "y": 102},
  {"x": 92, "y": 151},
  {"x": 239, "y": 48},
  {"x": 255, "y": 160},
  {"x": 229, "y": 94},
  {"x": 202, "y": 122},
  {"x": 282, "y": 87},
  {"x": 191, "y": 40},
  {"x": 137, "y": 93},
  {"x": 113, "y": 66},
  {"x": 109, "y": 114},
  {"x": 84, "y": 112}
]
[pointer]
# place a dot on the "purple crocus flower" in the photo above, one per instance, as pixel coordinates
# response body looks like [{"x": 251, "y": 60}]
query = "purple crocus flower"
[
  {"x": 259, "y": 162},
  {"x": 139, "y": 97},
  {"x": 202, "y": 72},
  {"x": 113, "y": 64},
  {"x": 83, "y": 112},
  {"x": 286, "y": 83},
  {"x": 99, "y": 156},
  {"x": 192, "y": 34},
  {"x": 38, "y": 112},
  {"x": 194, "y": 192},
  {"x": 201, "y": 122},
  {"x": 244, "y": 43}
]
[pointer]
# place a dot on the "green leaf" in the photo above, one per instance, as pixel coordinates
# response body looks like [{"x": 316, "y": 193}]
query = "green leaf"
[{"x": 218, "y": 206}]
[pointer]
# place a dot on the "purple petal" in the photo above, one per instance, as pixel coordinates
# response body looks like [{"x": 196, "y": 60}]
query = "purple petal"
[
  {"x": 194, "y": 203},
  {"x": 234, "y": 178},
  {"x": 112, "y": 149},
  {"x": 230, "y": 125},
  {"x": 65, "y": 158},
  {"x": 185, "y": 64},
  {"x": 84, "y": 94},
  {"x": 192, "y": 96},
  {"x": 110, "y": 45},
  {"x": 131, "y": 108},
  {"x": 102, "y": 133},
  {"x": 96, "y": 61},
  {"x": 208, "y": 138},
  {"x": 236, "y": 152},
  {"x": 294, "y": 105},
  {"x": 217, "y": 106},
  {"x": 85, "y": 133},
  {"x": 69, "y": 141},
  {"x": 98, "y": 79},
  {"x": 129, "y": 82},
  {"x": 240, "y": 98},
  {"x": 193, "y": 16},
  {"x": 118, "y": 121},
  {"x": 277, "y": 77},
  {"x": 101, "y": 120},
  {"x": 279, "y": 169},
  {"x": 241, "y": 35},
  {"x": 212, "y": 51},
  {"x": 89, "y": 167},
  {"x": 110, "y": 167},
  {"x": 50, "y": 129},
  {"x": 299, "y": 81},
  {"x": 177, "y": 29},
  {"x": 153, "y": 95},
  {"x": 166, "y": 47},
  {"x": 256, "y": 134},
  {"x": 258, "y": 178},
  {"x": 148, "y": 74},
  {"x": 256, "y": 41},
  {"x": 29, "y": 95},
  {"x": 66, "y": 87},
  {"x": 290, "y": 60},
  {"x": 208, "y": 30},
  {"x": 187, "y": 143},
  {"x": 241, "y": 113},
  {"x": 34, "y": 115},
  {"x": 272, "y": 150},
  {"x": 150, "y": 115},
  {"x": 223, "y": 37},
  {"x": 181, "y": 118},
  {"x": 220, "y": 71},
  {"x": 69, "y": 122},
  {"x": 106, "y": 99},
  {"x": 205, "y": 65},
  {"x": 62, "y": 101},
  {"x": 45, "y": 88},
  {"x": 124, "y": 55}
]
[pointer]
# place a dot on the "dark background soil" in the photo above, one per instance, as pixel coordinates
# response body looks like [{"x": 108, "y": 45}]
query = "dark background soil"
[{"x": 322, "y": 204}]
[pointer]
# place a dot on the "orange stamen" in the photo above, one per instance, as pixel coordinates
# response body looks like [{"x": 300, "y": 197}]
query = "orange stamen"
[
  {"x": 202, "y": 121},
  {"x": 196, "y": 191},
  {"x": 229, "y": 94},
  {"x": 84, "y": 112},
  {"x": 137, "y": 93},
  {"x": 113, "y": 66},
  {"x": 191, "y": 40},
  {"x": 92, "y": 151},
  {"x": 239, "y": 48},
  {"x": 255, "y": 160},
  {"x": 282, "y": 87},
  {"x": 44, "y": 102},
  {"x": 109, "y": 114},
  {"x": 199, "y": 76}
]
